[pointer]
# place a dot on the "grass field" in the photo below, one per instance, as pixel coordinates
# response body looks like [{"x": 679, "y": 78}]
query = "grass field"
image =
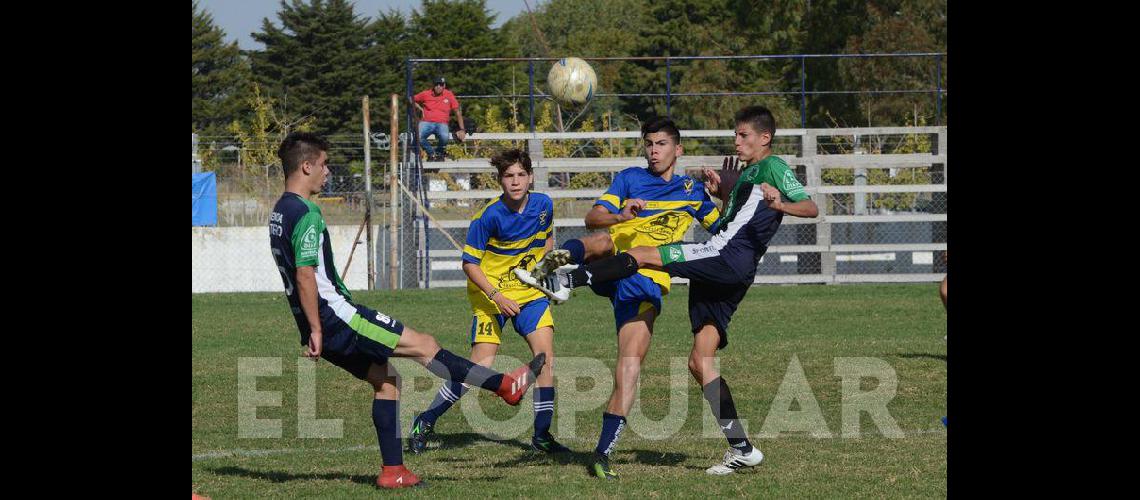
[{"x": 818, "y": 326}]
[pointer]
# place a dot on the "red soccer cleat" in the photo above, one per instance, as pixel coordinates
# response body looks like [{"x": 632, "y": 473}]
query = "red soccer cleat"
[
  {"x": 516, "y": 383},
  {"x": 397, "y": 476}
]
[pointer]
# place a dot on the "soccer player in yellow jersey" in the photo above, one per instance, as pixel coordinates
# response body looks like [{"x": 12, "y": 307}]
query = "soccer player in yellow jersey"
[
  {"x": 642, "y": 207},
  {"x": 512, "y": 231}
]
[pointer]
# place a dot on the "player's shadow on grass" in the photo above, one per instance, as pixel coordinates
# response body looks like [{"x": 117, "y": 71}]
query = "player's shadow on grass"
[
  {"x": 657, "y": 458},
  {"x": 464, "y": 439},
  {"x": 923, "y": 355},
  {"x": 586, "y": 458},
  {"x": 283, "y": 477}
]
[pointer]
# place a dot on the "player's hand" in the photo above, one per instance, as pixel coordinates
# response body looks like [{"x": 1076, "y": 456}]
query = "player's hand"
[
  {"x": 508, "y": 307},
  {"x": 726, "y": 179},
  {"x": 631, "y": 208},
  {"x": 461, "y": 135},
  {"x": 731, "y": 164},
  {"x": 772, "y": 196},
  {"x": 314, "y": 350},
  {"x": 712, "y": 181}
]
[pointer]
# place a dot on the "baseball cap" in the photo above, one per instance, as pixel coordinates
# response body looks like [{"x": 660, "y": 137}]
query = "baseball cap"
[{"x": 440, "y": 81}]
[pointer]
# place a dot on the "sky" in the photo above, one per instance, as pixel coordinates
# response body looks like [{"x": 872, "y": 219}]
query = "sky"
[{"x": 239, "y": 18}]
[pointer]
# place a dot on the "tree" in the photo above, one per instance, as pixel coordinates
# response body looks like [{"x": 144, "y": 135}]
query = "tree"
[
  {"x": 856, "y": 26},
  {"x": 460, "y": 29},
  {"x": 895, "y": 27},
  {"x": 719, "y": 27},
  {"x": 582, "y": 28},
  {"x": 319, "y": 63},
  {"x": 219, "y": 76}
]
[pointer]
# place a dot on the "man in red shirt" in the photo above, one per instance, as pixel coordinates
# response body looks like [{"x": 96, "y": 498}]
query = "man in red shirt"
[{"x": 435, "y": 105}]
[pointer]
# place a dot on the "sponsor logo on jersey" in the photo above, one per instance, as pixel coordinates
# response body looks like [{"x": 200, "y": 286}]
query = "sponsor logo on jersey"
[
  {"x": 663, "y": 227},
  {"x": 509, "y": 280},
  {"x": 309, "y": 241}
]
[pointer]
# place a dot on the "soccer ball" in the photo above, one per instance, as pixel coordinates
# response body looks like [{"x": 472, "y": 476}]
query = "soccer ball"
[{"x": 572, "y": 80}]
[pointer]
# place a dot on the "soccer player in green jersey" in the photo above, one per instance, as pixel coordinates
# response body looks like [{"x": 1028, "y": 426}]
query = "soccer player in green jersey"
[
  {"x": 720, "y": 270},
  {"x": 358, "y": 339}
]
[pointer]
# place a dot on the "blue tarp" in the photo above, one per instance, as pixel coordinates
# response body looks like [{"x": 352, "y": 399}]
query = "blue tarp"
[{"x": 205, "y": 200}]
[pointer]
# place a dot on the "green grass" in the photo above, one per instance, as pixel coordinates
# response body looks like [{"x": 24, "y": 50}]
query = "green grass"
[{"x": 901, "y": 325}]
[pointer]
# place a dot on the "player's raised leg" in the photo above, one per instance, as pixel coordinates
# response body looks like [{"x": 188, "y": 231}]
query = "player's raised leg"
[
  {"x": 423, "y": 425},
  {"x": 591, "y": 247},
  {"x": 446, "y": 365}
]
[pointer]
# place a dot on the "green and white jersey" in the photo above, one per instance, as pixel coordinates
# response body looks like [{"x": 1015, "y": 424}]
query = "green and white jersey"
[
  {"x": 298, "y": 237},
  {"x": 772, "y": 170},
  {"x": 748, "y": 224}
]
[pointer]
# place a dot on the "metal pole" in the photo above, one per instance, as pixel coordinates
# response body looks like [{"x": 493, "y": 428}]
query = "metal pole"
[
  {"x": 392, "y": 184},
  {"x": 414, "y": 165},
  {"x": 668, "y": 88},
  {"x": 411, "y": 123},
  {"x": 938, "y": 83},
  {"x": 530, "y": 70},
  {"x": 368, "y": 244},
  {"x": 803, "y": 95}
]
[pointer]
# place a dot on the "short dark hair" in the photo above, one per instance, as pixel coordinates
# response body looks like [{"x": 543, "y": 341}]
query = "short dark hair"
[
  {"x": 505, "y": 159},
  {"x": 759, "y": 117},
  {"x": 661, "y": 124},
  {"x": 299, "y": 147}
]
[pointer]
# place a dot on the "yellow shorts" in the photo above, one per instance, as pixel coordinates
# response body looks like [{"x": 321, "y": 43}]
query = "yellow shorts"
[{"x": 487, "y": 328}]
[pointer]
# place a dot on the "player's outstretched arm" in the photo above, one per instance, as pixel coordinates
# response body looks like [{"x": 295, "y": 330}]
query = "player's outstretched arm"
[{"x": 804, "y": 208}]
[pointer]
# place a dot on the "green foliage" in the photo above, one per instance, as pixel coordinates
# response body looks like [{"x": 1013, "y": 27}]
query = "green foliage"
[
  {"x": 261, "y": 134},
  {"x": 320, "y": 57},
  {"x": 856, "y": 26},
  {"x": 320, "y": 62},
  {"x": 219, "y": 76},
  {"x": 891, "y": 32},
  {"x": 460, "y": 29}
]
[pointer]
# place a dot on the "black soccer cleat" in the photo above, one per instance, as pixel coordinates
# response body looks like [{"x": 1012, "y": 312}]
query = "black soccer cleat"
[
  {"x": 602, "y": 467},
  {"x": 547, "y": 444},
  {"x": 421, "y": 430}
]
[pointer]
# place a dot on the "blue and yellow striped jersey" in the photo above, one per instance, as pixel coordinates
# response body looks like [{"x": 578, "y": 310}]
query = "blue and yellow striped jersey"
[
  {"x": 499, "y": 240},
  {"x": 671, "y": 208}
]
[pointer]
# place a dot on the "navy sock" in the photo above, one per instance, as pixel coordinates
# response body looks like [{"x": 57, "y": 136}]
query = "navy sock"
[
  {"x": 543, "y": 410},
  {"x": 612, "y": 425},
  {"x": 448, "y": 366},
  {"x": 622, "y": 265},
  {"x": 577, "y": 251},
  {"x": 724, "y": 409},
  {"x": 385, "y": 416},
  {"x": 449, "y": 393}
]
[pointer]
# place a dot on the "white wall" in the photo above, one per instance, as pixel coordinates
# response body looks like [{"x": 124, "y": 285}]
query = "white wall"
[{"x": 237, "y": 259}]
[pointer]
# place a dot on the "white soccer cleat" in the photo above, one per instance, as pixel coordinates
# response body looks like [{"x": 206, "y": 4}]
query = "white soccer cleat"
[
  {"x": 549, "y": 262},
  {"x": 550, "y": 285},
  {"x": 733, "y": 460}
]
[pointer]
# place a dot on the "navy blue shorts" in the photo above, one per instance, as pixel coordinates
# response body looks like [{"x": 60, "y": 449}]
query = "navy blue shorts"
[
  {"x": 367, "y": 337},
  {"x": 714, "y": 303},
  {"x": 630, "y": 296},
  {"x": 715, "y": 287}
]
